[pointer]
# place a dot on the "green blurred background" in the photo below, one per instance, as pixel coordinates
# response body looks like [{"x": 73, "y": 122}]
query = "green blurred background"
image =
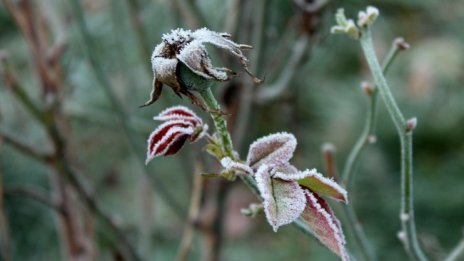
[{"x": 321, "y": 102}]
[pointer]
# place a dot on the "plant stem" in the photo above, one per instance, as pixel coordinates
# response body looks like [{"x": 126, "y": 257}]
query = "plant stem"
[
  {"x": 4, "y": 229},
  {"x": 118, "y": 108},
  {"x": 369, "y": 126},
  {"x": 247, "y": 93},
  {"x": 353, "y": 224},
  {"x": 348, "y": 171},
  {"x": 220, "y": 124},
  {"x": 60, "y": 162},
  {"x": 410, "y": 240},
  {"x": 457, "y": 252}
]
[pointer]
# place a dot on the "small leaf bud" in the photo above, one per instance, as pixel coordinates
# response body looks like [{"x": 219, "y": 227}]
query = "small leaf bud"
[
  {"x": 368, "y": 88},
  {"x": 411, "y": 124}
]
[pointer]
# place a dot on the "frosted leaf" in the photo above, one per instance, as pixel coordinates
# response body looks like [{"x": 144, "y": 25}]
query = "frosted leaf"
[
  {"x": 179, "y": 113},
  {"x": 164, "y": 70},
  {"x": 167, "y": 139},
  {"x": 230, "y": 164},
  {"x": 275, "y": 149},
  {"x": 283, "y": 201},
  {"x": 323, "y": 186},
  {"x": 219, "y": 40},
  {"x": 290, "y": 173},
  {"x": 325, "y": 226},
  {"x": 196, "y": 58}
]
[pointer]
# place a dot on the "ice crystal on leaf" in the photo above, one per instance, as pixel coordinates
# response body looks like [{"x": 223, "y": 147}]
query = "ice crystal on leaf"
[
  {"x": 187, "y": 48},
  {"x": 289, "y": 193},
  {"x": 275, "y": 149},
  {"x": 283, "y": 201},
  {"x": 326, "y": 227},
  {"x": 323, "y": 186},
  {"x": 180, "y": 124},
  {"x": 229, "y": 165}
]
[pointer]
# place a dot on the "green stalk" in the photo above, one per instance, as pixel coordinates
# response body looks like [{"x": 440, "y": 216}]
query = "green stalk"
[
  {"x": 219, "y": 122},
  {"x": 369, "y": 126},
  {"x": 227, "y": 147},
  {"x": 410, "y": 240},
  {"x": 458, "y": 252},
  {"x": 353, "y": 223}
]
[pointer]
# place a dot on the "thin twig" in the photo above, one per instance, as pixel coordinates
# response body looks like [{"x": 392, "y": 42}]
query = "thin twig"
[
  {"x": 134, "y": 13},
  {"x": 118, "y": 108},
  {"x": 25, "y": 148},
  {"x": 371, "y": 118},
  {"x": 194, "y": 211},
  {"x": 34, "y": 194},
  {"x": 62, "y": 165},
  {"x": 273, "y": 91},
  {"x": 457, "y": 252},
  {"x": 407, "y": 218},
  {"x": 234, "y": 8},
  {"x": 190, "y": 13},
  {"x": 353, "y": 224},
  {"x": 4, "y": 230},
  {"x": 246, "y": 96}
]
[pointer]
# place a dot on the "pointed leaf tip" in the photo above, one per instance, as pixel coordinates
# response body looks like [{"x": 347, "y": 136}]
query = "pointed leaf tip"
[
  {"x": 326, "y": 227},
  {"x": 323, "y": 186}
]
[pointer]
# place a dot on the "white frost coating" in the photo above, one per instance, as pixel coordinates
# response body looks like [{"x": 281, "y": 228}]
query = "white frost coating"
[
  {"x": 329, "y": 182},
  {"x": 368, "y": 17},
  {"x": 217, "y": 39},
  {"x": 164, "y": 69},
  {"x": 404, "y": 217},
  {"x": 195, "y": 56},
  {"x": 171, "y": 113},
  {"x": 204, "y": 130},
  {"x": 192, "y": 52},
  {"x": 401, "y": 236},
  {"x": 276, "y": 149},
  {"x": 229, "y": 164},
  {"x": 185, "y": 116},
  {"x": 330, "y": 220},
  {"x": 372, "y": 11},
  {"x": 173, "y": 131},
  {"x": 177, "y": 35},
  {"x": 283, "y": 201},
  {"x": 156, "y": 52},
  {"x": 288, "y": 173}
]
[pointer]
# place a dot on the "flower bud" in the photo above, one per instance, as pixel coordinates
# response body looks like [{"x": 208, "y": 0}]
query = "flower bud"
[
  {"x": 401, "y": 44},
  {"x": 411, "y": 124},
  {"x": 368, "y": 88},
  {"x": 367, "y": 18}
]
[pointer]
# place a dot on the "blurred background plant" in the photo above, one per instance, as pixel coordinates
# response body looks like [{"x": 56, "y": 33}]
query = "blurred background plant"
[{"x": 72, "y": 179}]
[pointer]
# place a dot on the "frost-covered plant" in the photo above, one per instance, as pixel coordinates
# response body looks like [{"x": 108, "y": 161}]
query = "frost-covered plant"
[
  {"x": 287, "y": 194},
  {"x": 180, "y": 124},
  {"x": 187, "y": 47}
]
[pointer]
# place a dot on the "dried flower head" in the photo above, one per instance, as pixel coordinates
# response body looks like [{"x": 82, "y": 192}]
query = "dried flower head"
[
  {"x": 180, "y": 124},
  {"x": 184, "y": 48}
]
